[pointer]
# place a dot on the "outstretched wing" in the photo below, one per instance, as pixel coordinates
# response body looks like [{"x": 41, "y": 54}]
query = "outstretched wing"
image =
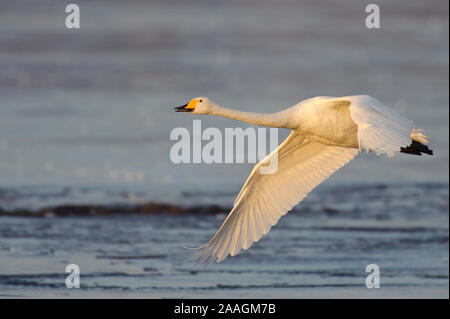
[
  {"x": 381, "y": 129},
  {"x": 264, "y": 198}
]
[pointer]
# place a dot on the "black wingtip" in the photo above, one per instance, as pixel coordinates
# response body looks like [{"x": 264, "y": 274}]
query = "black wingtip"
[{"x": 416, "y": 148}]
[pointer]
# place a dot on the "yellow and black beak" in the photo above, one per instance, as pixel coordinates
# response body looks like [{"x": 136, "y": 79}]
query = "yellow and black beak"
[
  {"x": 187, "y": 107},
  {"x": 183, "y": 108}
]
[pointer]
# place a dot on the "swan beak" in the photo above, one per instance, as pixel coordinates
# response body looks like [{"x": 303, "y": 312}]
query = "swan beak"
[{"x": 182, "y": 109}]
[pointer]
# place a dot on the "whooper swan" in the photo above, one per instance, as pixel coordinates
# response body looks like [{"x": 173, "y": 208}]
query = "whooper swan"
[{"x": 327, "y": 132}]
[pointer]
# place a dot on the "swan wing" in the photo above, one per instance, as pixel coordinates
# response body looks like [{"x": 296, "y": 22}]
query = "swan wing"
[
  {"x": 264, "y": 198},
  {"x": 380, "y": 129}
]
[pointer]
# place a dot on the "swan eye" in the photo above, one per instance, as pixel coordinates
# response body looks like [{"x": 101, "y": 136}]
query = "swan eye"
[{"x": 201, "y": 100}]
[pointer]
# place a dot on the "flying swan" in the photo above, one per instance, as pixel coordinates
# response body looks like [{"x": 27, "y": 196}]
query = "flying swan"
[{"x": 327, "y": 132}]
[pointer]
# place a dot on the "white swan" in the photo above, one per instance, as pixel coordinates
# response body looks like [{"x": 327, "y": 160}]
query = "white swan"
[{"x": 327, "y": 132}]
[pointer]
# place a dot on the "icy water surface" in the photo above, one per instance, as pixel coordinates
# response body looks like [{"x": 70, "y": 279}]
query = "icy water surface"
[{"x": 320, "y": 249}]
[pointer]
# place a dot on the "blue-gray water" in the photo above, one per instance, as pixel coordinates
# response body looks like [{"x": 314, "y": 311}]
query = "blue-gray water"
[
  {"x": 321, "y": 249},
  {"x": 85, "y": 118}
]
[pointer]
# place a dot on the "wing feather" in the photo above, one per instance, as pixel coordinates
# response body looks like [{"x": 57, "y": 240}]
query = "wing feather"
[
  {"x": 380, "y": 129},
  {"x": 265, "y": 198}
]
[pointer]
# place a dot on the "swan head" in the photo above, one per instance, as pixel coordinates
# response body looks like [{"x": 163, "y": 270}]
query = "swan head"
[{"x": 198, "y": 105}]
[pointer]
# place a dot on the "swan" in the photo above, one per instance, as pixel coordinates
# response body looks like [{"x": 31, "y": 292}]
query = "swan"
[{"x": 327, "y": 133}]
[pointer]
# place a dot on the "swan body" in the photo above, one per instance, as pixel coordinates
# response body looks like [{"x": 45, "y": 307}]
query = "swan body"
[{"x": 327, "y": 133}]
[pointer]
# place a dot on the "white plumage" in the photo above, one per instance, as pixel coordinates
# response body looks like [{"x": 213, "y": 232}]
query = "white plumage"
[
  {"x": 327, "y": 133},
  {"x": 380, "y": 129}
]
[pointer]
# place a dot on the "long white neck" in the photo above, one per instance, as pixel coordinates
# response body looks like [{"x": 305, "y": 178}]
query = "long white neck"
[{"x": 262, "y": 119}]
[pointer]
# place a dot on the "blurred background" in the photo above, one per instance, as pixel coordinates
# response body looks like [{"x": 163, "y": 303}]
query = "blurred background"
[{"x": 86, "y": 114}]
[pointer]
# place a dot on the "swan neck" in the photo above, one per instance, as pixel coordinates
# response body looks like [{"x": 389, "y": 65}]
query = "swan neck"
[{"x": 261, "y": 119}]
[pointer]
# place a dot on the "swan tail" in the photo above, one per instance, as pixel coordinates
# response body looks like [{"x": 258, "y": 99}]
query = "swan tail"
[{"x": 418, "y": 136}]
